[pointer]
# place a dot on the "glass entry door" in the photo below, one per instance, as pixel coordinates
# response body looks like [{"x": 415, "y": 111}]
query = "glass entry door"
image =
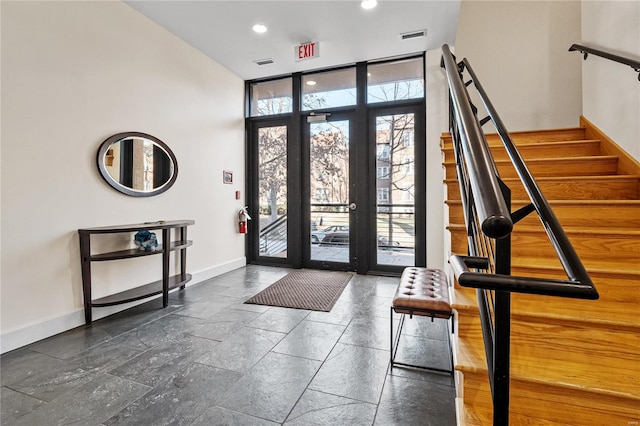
[{"x": 329, "y": 208}]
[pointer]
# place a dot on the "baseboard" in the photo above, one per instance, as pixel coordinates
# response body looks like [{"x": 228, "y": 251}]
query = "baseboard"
[{"x": 34, "y": 332}]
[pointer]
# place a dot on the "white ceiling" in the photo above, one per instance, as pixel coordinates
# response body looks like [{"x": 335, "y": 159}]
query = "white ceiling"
[{"x": 345, "y": 32}]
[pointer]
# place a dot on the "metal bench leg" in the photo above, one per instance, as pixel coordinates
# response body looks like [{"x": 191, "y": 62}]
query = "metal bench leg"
[{"x": 395, "y": 343}]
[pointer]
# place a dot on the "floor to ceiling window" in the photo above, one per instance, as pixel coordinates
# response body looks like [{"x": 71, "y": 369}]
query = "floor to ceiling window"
[{"x": 336, "y": 168}]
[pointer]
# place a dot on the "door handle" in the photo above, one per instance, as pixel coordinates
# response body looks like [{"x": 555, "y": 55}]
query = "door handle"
[{"x": 352, "y": 206}]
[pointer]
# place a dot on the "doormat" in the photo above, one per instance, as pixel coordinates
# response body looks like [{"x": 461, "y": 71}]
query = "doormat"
[{"x": 304, "y": 289}]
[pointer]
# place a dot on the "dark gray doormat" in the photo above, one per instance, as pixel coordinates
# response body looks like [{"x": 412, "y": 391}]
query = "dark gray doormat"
[{"x": 304, "y": 289}]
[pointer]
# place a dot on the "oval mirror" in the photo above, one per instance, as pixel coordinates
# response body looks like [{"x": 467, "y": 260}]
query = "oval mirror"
[{"x": 137, "y": 164}]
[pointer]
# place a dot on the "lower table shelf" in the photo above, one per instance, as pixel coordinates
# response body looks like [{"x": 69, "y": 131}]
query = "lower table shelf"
[{"x": 141, "y": 292}]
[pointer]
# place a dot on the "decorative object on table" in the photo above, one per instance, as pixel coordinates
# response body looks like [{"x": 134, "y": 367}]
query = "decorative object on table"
[
  {"x": 146, "y": 240},
  {"x": 227, "y": 176}
]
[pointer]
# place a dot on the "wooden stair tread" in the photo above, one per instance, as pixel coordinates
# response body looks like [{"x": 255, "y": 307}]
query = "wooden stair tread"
[
  {"x": 557, "y": 373},
  {"x": 601, "y": 266},
  {"x": 555, "y": 160},
  {"x": 482, "y": 416},
  {"x": 603, "y": 187},
  {"x": 497, "y": 142},
  {"x": 578, "y": 180},
  {"x": 559, "y": 134},
  {"x": 570, "y": 230}
]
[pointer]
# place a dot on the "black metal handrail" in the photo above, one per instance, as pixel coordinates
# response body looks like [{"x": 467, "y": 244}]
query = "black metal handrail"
[
  {"x": 493, "y": 212},
  {"x": 489, "y": 221},
  {"x": 607, "y": 55},
  {"x": 485, "y": 200}
]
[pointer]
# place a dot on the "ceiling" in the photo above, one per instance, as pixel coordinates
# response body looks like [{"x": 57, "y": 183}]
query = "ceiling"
[{"x": 344, "y": 32}]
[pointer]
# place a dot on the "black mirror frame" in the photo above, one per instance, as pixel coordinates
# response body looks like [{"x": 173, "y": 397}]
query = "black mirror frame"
[{"x": 104, "y": 147}]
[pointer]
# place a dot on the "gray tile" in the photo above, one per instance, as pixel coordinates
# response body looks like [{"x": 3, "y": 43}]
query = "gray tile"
[
  {"x": 67, "y": 344},
  {"x": 342, "y": 313},
  {"x": 369, "y": 331},
  {"x": 23, "y": 363},
  {"x": 172, "y": 327},
  {"x": 195, "y": 293},
  {"x": 354, "y": 372},
  {"x": 282, "y": 320},
  {"x": 356, "y": 291},
  {"x": 242, "y": 350},
  {"x": 15, "y": 404},
  {"x": 311, "y": 340},
  {"x": 164, "y": 349},
  {"x": 168, "y": 329},
  {"x": 222, "y": 325},
  {"x": 272, "y": 387},
  {"x": 178, "y": 399},
  {"x": 405, "y": 400},
  {"x": 424, "y": 327},
  {"x": 218, "y": 416},
  {"x": 423, "y": 351},
  {"x": 50, "y": 384},
  {"x": 244, "y": 290},
  {"x": 133, "y": 318},
  {"x": 206, "y": 308},
  {"x": 385, "y": 287},
  {"x": 90, "y": 404},
  {"x": 157, "y": 364},
  {"x": 250, "y": 307},
  {"x": 319, "y": 409},
  {"x": 377, "y": 306}
]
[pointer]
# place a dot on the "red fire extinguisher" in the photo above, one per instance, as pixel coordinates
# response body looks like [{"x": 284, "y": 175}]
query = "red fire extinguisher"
[{"x": 243, "y": 217}]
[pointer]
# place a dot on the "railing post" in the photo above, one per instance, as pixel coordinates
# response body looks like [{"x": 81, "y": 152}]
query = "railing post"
[{"x": 502, "y": 327}]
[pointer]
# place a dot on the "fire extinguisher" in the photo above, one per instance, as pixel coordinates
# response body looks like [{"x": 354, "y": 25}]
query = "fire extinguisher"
[{"x": 243, "y": 217}]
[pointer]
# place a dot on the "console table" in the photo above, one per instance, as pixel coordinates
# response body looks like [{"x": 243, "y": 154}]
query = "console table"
[{"x": 162, "y": 286}]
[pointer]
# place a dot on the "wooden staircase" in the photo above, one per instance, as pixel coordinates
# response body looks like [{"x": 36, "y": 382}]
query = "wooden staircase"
[{"x": 573, "y": 362}]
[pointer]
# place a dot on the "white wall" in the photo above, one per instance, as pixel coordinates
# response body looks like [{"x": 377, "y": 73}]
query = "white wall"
[
  {"x": 519, "y": 50},
  {"x": 611, "y": 91},
  {"x": 74, "y": 73},
  {"x": 437, "y": 100}
]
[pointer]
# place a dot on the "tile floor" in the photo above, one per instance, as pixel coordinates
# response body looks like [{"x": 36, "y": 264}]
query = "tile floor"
[{"x": 209, "y": 359}]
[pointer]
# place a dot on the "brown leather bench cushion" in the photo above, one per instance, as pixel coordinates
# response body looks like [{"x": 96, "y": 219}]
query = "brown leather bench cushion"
[{"x": 423, "y": 289}]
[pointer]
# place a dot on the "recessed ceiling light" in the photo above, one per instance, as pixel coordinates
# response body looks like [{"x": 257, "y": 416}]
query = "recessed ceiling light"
[
  {"x": 311, "y": 83},
  {"x": 259, "y": 28},
  {"x": 368, "y": 4}
]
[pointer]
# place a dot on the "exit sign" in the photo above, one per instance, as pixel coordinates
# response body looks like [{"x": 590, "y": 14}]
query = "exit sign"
[{"x": 307, "y": 51}]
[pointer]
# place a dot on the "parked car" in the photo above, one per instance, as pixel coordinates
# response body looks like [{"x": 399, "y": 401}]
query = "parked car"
[
  {"x": 319, "y": 236},
  {"x": 336, "y": 239}
]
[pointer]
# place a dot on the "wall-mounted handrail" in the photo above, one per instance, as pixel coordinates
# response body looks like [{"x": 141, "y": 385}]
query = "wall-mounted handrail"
[{"x": 611, "y": 56}]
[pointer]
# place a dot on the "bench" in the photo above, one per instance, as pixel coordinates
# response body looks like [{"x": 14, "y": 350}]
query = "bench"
[{"x": 422, "y": 292}]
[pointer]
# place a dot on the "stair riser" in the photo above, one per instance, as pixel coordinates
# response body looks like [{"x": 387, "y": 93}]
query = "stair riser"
[
  {"x": 596, "y": 166},
  {"x": 555, "y": 404},
  {"x": 598, "y": 189},
  {"x": 623, "y": 288},
  {"x": 622, "y": 248},
  {"x": 626, "y": 215}
]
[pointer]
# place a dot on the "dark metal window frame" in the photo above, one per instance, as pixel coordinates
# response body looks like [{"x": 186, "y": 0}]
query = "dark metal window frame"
[{"x": 363, "y": 252}]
